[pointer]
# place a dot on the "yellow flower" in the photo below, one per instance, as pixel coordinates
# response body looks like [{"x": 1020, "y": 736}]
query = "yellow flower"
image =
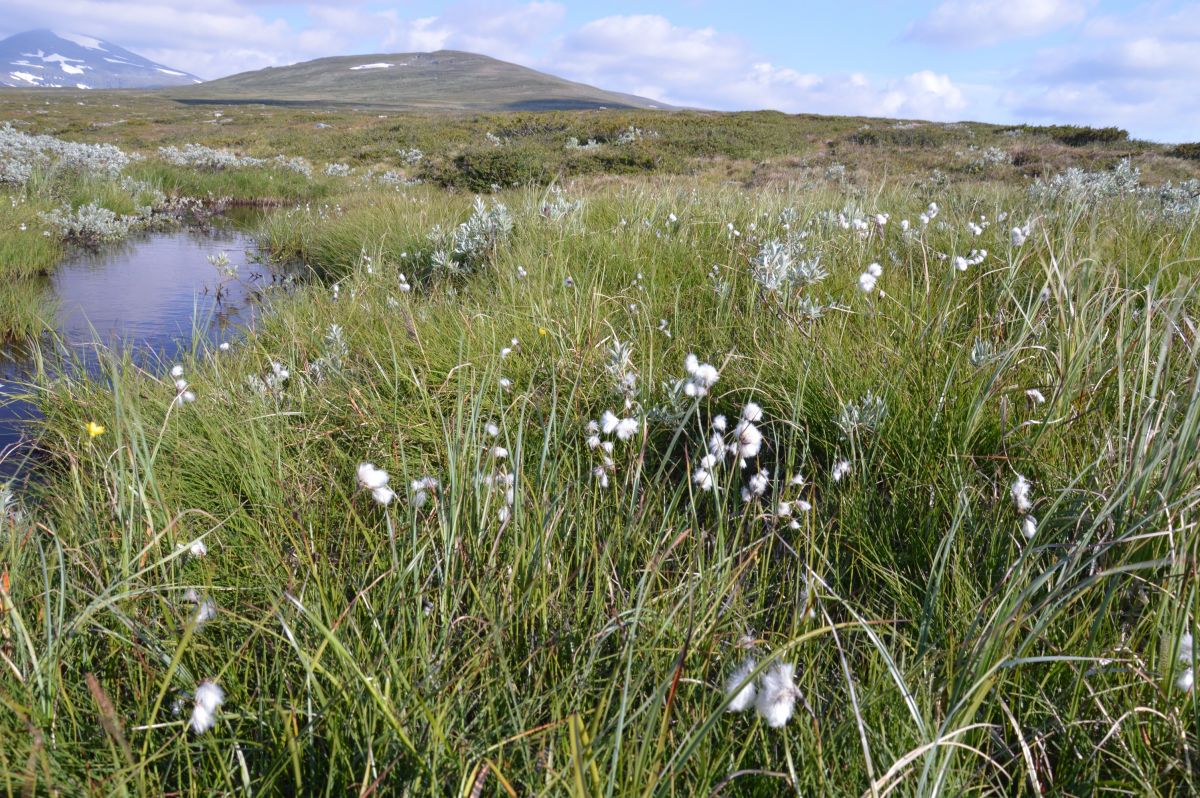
[
  {"x": 94, "y": 429},
  {"x": 541, "y": 330}
]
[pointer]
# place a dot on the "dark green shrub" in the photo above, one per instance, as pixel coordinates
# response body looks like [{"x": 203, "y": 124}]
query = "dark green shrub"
[
  {"x": 1190, "y": 151},
  {"x": 1080, "y": 135},
  {"x": 919, "y": 136},
  {"x": 479, "y": 169}
]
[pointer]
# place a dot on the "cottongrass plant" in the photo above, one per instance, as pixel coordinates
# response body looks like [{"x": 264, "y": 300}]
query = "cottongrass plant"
[
  {"x": 208, "y": 700},
  {"x": 375, "y": 480}
]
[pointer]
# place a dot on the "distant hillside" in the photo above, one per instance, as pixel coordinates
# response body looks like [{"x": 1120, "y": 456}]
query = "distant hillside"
[
  {"x": 445, "y": 80},
  {"x": 45, "y": 59}
]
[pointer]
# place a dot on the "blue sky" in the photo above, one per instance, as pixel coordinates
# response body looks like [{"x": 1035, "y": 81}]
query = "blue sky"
[{"x": 1100, "y": 62}]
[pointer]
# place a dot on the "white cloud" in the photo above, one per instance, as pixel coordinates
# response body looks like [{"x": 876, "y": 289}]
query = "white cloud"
[
  {"x": 502, "y": 32},
  {"x": 970, "y": 23},
  {"x": 1137, "y": 71},
  {"x": 648, "y": 55}
]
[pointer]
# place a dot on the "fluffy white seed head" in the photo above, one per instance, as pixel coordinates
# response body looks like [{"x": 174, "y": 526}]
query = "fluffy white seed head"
[
  {"x": 701, "y": 376},
  {"x": 760, "y": 482},
  {"x": 777, "y": 698},
  {"x": 1186, "y": 649},
  {"x": 205, "y": 612},
  {"x": 740, "y": 688},
  {"x": 626, "y": 428},
  {"x": 1020, "y": 494},
  {"x": 749, "y": 440},
  {"x": 601, "y": 475},
  {"x": 609, "y": 422},
  {"x": 209, "y": 698},
  {"x": 1029, "y": 527},
  {"x": 371, "y": 477},
  {"x": 176, "y": 371}
]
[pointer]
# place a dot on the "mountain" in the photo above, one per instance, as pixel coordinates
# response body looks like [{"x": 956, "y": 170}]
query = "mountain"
[
  {"x": 45, "y": 59},
  {"x": 444, "y": 80}
]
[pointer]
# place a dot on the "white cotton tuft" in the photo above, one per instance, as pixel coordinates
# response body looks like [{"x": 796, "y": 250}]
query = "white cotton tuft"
[
  {"x": 198, "y": 549},
  {"x": 371, "y": 477},
  {"x": 777, "y": 698},
  {"x": 601, "y": 476},
  {"x": 749, "y": 441},
  {"x": 177, "y": 371},
  {"x": 1029, "y": 527},
  {"x": 205, "y": 612},
  {"x": 741, "y": 695},
  {"x": 701, "y": 376},
  {"x": 609, "y": 422},
  {"x": 421, "y": 489},
  {"x": 383, "y": 494},
  {"x": 626, "y": 428},
  {"x": 752, "y": 412},
  {"x": 760, "y": 482},
  {"x": 209, "y": 698},
  {"x": 841, "y": 469},
  {"x": 1020, "y": 494}
]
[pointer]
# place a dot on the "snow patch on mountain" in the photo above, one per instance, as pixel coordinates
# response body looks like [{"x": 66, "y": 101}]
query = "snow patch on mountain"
[
  {"x": 49, "y": 59},
  {"x": 83, "y": 41}
]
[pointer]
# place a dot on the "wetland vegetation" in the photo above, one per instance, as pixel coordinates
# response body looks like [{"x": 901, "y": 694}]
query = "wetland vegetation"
[{"x": 613, "y": 452}]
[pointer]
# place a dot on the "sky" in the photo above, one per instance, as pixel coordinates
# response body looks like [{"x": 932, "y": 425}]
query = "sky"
[{"x": 1098, "y": 62}]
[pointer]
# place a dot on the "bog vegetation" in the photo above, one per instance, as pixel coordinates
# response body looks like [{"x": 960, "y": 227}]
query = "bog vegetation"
[{"x": 614, "y": 453}]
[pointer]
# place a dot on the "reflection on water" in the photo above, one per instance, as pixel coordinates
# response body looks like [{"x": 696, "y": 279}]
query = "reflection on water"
[{"x": 148, "y": 295}]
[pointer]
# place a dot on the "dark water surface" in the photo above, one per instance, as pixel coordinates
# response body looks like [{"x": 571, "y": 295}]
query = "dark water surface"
[{"x": 149, "y": 295}]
